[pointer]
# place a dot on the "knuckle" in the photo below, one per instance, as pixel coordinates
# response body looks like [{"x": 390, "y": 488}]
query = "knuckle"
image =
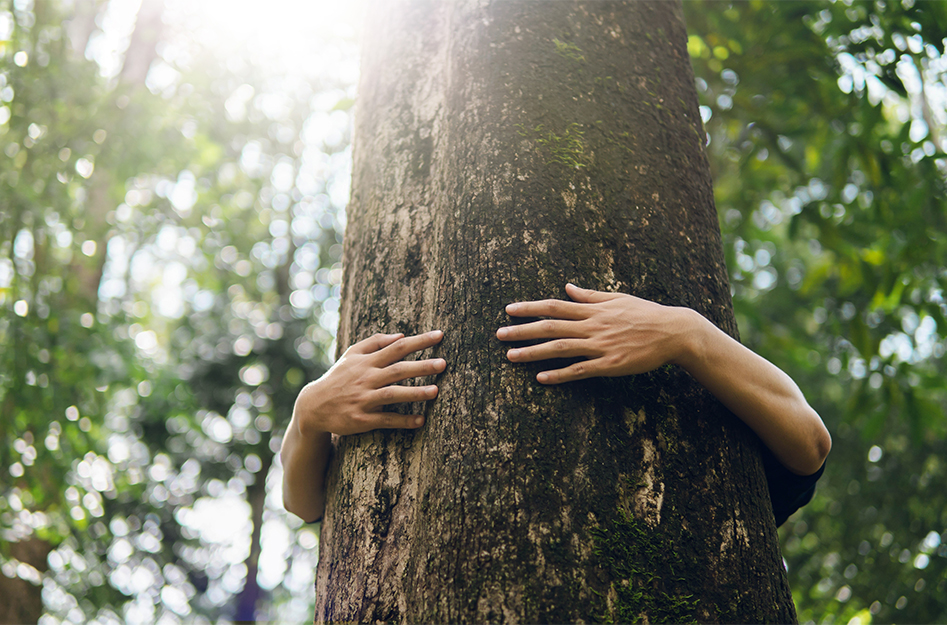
[
  {"x": 398, "y": 369},
  {"x": 579, "y": 368},
  {"x": 547, "y": 325},
  {"x": 388, "y": 393},
  {"x": 560, "y": 345}
]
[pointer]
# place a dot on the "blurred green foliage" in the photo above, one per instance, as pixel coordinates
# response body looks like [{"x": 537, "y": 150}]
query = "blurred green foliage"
[
  {"x": 826, "y": 133},
  {"x": 169, "y": 248}
]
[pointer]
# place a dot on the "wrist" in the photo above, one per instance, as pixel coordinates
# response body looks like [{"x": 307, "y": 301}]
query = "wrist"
[
  {"x": 689, "y": 337},
  {"x": 306, "y": 415}
]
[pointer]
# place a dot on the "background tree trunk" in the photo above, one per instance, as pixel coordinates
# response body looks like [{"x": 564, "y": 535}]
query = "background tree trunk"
[
  {"x": 21, "y": 601},
  {"x": 502, "y": 149}
]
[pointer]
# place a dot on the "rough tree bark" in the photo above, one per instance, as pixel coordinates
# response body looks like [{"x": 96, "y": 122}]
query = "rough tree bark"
[{"x": 503, "y": 148}]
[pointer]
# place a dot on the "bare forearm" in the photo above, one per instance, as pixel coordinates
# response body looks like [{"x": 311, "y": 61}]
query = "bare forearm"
[
  {"x": 617, "y": 335},
  {"x": 756, "y": 391},
  {"x": 305, "y": 459}
]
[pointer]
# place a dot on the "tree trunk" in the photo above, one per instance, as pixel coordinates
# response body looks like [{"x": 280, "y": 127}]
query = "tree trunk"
[
  {"x": 252, "y": 592},
  {"x": 502, "y": 149},
  {"x": 21, "y": 601}
]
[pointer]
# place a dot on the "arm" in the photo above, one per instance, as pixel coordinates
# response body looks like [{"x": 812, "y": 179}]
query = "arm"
[
  {"x": 624, "y": 335},
  {"x": 349, "y": 399}
]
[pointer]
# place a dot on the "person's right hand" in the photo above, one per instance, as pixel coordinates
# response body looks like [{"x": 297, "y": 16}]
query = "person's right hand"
[{"x": 349, "y": 397}]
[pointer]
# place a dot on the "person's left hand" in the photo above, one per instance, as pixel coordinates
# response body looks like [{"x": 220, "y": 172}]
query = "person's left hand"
[{"x": 617, "y": 334}]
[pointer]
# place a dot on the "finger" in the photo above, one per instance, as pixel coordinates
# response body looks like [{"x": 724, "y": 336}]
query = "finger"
[
  {"x": 588, "y": 296},
  {"x": 374, "y": 343},
  {"x": 559, "y": 348},
  {"x": 394, "y": 421},
  {"x": 577, "y": 371},
  {"x": 556, "y": 308},
  {"x": 406, "y": 369},
  {"x": 408, "y": 345},
  {"x": 545, "y": 329},
  {"x": 400, "y": 394}
]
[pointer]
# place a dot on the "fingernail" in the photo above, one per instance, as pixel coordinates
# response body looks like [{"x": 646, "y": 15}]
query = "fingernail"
[
  {"x": 543, "y": 377},
  {"x": 513, "y": 353},
  {"x": 432, "y": 391},
  {"x": 440, "y": 362},
  {"x": 435, "y": 333},
  {"x": 418, "y": 421},
  {"x": 502, "y": 332},
  {"x": 512, "y": 307}
]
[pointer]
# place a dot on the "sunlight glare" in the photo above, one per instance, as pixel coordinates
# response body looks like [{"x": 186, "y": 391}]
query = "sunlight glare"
[{"x": 286, "y": 33}]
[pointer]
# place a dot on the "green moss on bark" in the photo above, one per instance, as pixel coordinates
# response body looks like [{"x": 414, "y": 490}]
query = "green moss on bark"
[
  {"x": 643, "y": 563},
  {"x": 566, "y": 148},
  {"x": 569, "y": 50}
]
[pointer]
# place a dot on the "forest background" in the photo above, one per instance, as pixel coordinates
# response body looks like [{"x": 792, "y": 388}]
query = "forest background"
[{"x": 173, "y": 181}]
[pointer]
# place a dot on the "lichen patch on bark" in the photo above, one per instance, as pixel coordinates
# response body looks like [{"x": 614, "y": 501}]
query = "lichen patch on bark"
[
  {"x": 733, "y": 531},
  {"x": 650, "y": 494}
]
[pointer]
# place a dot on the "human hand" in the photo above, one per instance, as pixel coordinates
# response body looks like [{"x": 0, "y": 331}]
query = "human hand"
[
  {"x": 617, "y": 334},
  {"x": 348, "y": 399}
]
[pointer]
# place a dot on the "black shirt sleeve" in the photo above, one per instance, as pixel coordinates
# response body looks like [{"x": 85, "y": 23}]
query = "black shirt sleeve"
[{"x": 787, "y": 491}]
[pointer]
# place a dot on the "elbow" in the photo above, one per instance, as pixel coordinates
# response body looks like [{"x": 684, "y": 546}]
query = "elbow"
[
  {"x": 310, "y": 515},
  {"x": 290, "y": 503},
  {"x": 820, "y": 445},
  {"x": 814, "y": 448},
  {"x": 823, "y": 444},
  {"x": 309, "y": 511},
  {"x": 287, "y": 503}
]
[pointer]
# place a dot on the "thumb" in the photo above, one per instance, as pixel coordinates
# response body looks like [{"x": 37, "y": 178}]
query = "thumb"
[{"x": 588, "y": 296}]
